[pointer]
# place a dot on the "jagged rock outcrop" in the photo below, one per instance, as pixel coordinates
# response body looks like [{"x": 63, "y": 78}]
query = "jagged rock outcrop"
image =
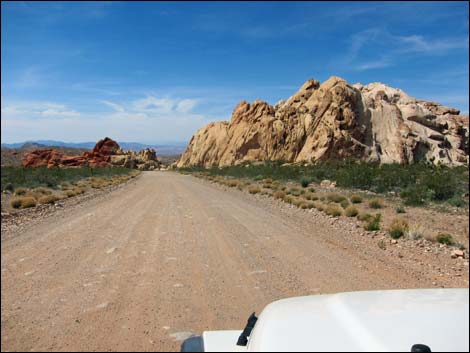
[
  {"x": 105, "y": 153},
  {"x": 335, "y": 120}
]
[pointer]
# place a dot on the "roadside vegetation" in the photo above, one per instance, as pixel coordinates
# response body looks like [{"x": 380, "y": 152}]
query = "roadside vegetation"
[
  {"x": 28, "y": 187},
  {"x": 370, "y": 193},
  {"x": 417, "y": 184}
]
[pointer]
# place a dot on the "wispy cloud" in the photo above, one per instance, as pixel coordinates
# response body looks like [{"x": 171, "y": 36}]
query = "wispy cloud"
[
  {"x": 145, "y": 119},
  {"x": 115, "y": 106},
  {"x": 391, "y": 48}
]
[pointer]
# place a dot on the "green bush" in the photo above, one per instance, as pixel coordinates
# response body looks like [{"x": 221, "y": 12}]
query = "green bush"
[
  {"x": 417, "y": 183},
  {"x": 374, "y": 223},
  {"x": 52, "y": 177},
  {"x": 444, "y": 238},
  {"x": 457, "y": 201},
  {"x": 304, "y": 181}
]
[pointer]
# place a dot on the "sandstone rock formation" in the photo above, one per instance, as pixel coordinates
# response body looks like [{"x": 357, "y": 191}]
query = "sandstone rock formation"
[
  {"x": 335, "y": 120},
  {"x": 105, "y": 153}
]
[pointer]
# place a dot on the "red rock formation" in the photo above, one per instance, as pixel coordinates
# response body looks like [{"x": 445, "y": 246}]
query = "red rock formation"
[
  {"x": 100, "y": 156},
  {"x": 105, "y": 153}
]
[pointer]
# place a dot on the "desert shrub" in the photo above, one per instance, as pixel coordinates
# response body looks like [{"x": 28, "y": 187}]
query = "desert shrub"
[
  {"x": 351, "y": 211},
  {"x": 258, "y": 177},
  {"x": 8, "y": 187},
  {"x": 311, "y": 189},
  {"x": 423, "y": 180},
  {"x": 333, "y": 197},
  {"x": 302, "y": 192},
  {"x": 356, "y": 199},
  {"x": 23, "y": 202},
  {"x": 304, "y": 182},
  {"x": 268, "y": 181},
  {"x": 308, "y": 195},
  {"x": 266, "y": 192},
  {"x": 294, "y": 191},
  {"x": 53, "y": 177},
  {"x": 398, "y": 228},
  {"x": 381, "y": 244},
  {"x": 457, "y": 201},
  {"x": 364, "y": 216},
  {"x": 20, "y": 191},
  {"x": 303, "y": 205},
  {"x": 48, "y": 199},
  {"x": 283, "y": 188},
  {"x": 445, "y": 238},
  {"x": 373, "y": 223},
  {"x": 279, "y": 194},
  {"x": 42, "y": 191},
  {"x": 69, "y": 193},
  {"x": 415, "y": 196},
  {"x": 400, "y": 209},
  {"x": 319, "y": 206},
  {"x": 15, "y": 202},
  {"x": 65, "y": 185},
  {"x": 333, "y": 210},
  {"x": 78, "y": 190},
  {"x": 376, "y": 203},
  {"x": 233, "y": 183},
  {"x": 415, "y": 232},
  {"x": 288, "y": 198},
  {"x": 344, "y": 203},
  {"x": 296, "y": 201},
  {"x": 254, "y": 189}
]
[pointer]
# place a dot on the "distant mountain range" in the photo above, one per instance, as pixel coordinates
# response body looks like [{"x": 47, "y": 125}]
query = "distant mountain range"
[{"x": 170, "y": 148}]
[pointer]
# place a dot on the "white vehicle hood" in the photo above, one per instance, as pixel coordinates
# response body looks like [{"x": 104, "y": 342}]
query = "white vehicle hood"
[{"x": 390, "y": 320}]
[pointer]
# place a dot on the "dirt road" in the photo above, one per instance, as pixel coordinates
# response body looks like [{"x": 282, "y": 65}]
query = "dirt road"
[{"x": 169, "y": 255}]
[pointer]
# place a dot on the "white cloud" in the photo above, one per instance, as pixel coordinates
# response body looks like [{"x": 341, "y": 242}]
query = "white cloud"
[
  {"x": 115, "y": 106},
  {"x": 186, "y": 105},
  {"x": 152, "y": 104},
  {"x": 419, "y": 44},
  {"x": 37, "y": 110},
  {"x": 390, "y": 48}
]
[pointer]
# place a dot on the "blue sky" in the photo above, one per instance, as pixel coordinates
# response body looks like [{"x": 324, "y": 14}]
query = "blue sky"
[{"x": 156, "y": 72}]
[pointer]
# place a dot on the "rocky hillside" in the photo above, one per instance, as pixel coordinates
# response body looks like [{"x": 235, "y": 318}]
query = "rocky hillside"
[
  {"x": 105, "y": 153},
  {"x": 331, "y": 120}
]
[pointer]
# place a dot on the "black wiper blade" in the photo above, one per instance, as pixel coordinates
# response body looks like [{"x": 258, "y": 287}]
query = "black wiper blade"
[{"x": 250, "y": 324}]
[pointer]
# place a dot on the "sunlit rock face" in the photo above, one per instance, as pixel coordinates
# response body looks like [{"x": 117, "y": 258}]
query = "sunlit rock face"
[{"x": 335, "y": 120}]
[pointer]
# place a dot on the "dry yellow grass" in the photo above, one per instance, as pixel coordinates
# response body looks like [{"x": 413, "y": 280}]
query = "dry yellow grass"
[
  {"x": 254, "y": 189},
  {"x": 333, "y": 210},
  {"x": 23, "y": 202},
  {"x": 279, "y": 194},
  {"x": 47, "y": 199}
]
